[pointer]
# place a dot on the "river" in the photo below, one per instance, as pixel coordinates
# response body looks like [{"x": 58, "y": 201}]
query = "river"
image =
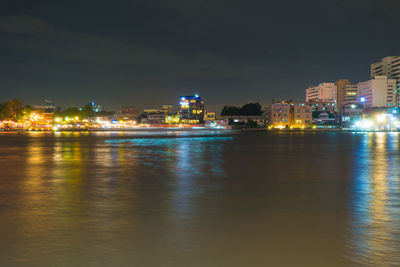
[{"x": 199, "y": 198}]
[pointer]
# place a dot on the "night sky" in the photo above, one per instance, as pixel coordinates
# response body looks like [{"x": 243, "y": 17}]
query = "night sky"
[{"x": 147, "y": 53}]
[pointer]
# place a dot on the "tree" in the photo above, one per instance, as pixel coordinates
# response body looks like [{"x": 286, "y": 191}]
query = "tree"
[
  {"x": 24, "y": 113},
  {"x": 86, "y": 112},
  {"x": 10, "y": 109},
  {"x": 230, "y": 111},
  {"x": 70, "y": 112},
  {"x": 251, "y": 109},
  {"x": 2, "y": 111}
]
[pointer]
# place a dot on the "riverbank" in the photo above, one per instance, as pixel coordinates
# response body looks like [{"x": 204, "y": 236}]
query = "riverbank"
[
  {"x": 293, "y": 130},
  {"x": 152, "y": 129}
]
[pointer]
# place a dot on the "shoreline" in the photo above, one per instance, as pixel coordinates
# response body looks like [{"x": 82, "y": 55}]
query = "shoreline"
[{"x": 154, "y": 129}]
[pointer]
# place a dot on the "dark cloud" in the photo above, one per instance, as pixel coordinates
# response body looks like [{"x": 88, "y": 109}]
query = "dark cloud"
[{"x": 147, "y": 53}]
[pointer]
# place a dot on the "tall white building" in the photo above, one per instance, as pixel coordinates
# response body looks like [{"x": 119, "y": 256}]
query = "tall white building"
[
  {"x": 378, "y": 92},
  {"x": 388, "y": 66},
  {"x": 324, "y": 92}
]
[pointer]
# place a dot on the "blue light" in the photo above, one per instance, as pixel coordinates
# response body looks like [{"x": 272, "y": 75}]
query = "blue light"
[{"x": 362, "y": 99}]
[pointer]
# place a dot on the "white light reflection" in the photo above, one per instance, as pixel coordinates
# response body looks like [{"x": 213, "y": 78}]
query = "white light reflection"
[{"x": 375, "y": 219}]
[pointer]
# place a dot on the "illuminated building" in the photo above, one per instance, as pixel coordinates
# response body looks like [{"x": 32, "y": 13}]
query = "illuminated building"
[
  {"x": 210, "y": 116},
  {"x": 378, "y": 92},
  {"x": 168, "y": 109},
  {"x": 192, "y": 109},
  {"x": 128, "y": 114},
  {"x": 379, "y": 119},
  {"x": 388, "y": 66},
  {"x": 349, "y": 93},
  {"x": 324, "y": 114},
  {"x": 346, "y": 93},
  {"x": 340, "y": 85},
  {"x": 155, "y": 118},
  {"x": 302, "y": 115},
  {"x": 294, "y": 115},
  {"x": 322, "y": 106},
  {"x": 172, "y": 119},
  {"x": 324, "y": 92},
  {"x": 325, "y": 119},
  {"x": 280, "y": 115},
  {"x": 351, "y": 112}
]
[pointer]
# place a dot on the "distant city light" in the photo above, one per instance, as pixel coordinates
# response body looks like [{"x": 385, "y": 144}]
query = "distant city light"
[
  {"x": 362, "y": 99},
  {"x": 381, "y": 117}
]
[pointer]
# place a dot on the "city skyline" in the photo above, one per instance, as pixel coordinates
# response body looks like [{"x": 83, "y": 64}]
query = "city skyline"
[{"x": 145, "y": 54}]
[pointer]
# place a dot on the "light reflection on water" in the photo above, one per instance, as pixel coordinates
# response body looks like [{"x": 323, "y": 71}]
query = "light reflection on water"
[
  {"x": 375, "y": 221},
  {"x": 209, "y": 198}
]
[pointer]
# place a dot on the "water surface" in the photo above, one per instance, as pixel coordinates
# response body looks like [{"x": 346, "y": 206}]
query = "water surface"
[{"x": 199, "y": 198}]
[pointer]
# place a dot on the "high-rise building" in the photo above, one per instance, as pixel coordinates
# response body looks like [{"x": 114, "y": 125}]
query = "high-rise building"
[
  {"x": 340, "y": 85},
  {"x": 192, "y": 109},
  {"x": 388, "y": 66},
  {"x": 378, "y": 92},
  {"x": 323, "y": 92},
  {"x": 349, "y": 94}
]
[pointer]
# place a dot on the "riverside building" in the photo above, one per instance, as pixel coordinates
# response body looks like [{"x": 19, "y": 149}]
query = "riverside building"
[
  {"x": 349, "y": 94},
  {"x": 302, "y": 115},
  {"x": 290, "y": 115},
  {"x": 378, "y": 92},
  {"x": 388, "y": 66},
  {"x": 192, "y": 109},
  {"x": 280, "y": 115},
  {"x": 340, "y": 85},
  {"x": 323, "y": 92},
  {"x": 346, "y": 93}
]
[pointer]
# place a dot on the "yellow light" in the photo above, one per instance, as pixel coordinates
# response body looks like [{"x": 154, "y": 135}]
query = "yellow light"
[
  {"x": 76, "y": 118},
  {"x": 57, "y": 119}
]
